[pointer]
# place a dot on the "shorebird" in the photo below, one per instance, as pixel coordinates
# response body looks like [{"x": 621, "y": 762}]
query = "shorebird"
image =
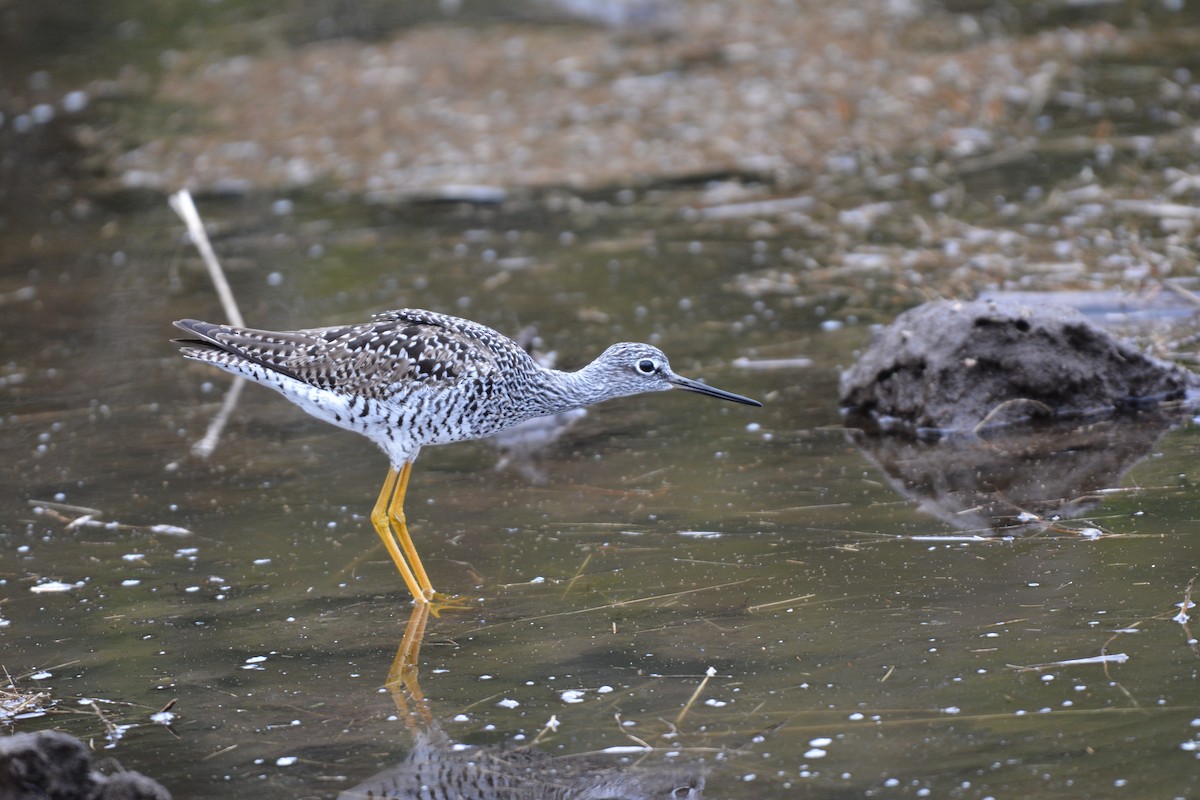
[{"x": 411, "y": 378}]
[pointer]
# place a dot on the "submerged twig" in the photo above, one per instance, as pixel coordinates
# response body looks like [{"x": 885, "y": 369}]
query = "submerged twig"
[
  {"x": 578, "y": 574},
  {"x": 708, "y": 673},
  {"x": 642, "y": 744},
  {"x": 220, "y": 752},
  {"x": 789, "y": 601},
  {"x": 616, "y": 604},
  {"x": 1103, "y": 658}
]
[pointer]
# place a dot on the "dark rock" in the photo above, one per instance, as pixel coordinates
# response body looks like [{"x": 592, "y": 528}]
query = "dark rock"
[
  {"x": 961, "y": 366},
  {"x": 133, "y": 786},
  {"x": 49, "y": 765}
]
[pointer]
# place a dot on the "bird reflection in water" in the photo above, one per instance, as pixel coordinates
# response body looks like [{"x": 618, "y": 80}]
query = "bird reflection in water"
[{"x": 439, "y": 769}]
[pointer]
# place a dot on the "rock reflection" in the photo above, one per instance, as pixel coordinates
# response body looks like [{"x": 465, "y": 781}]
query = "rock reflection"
[
  {"x": 437, "y": 768},
  {"x": 1017, "y": 477}
]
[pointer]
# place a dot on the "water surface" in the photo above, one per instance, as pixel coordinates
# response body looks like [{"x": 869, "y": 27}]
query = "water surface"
[{"x": 668, "y": 535}]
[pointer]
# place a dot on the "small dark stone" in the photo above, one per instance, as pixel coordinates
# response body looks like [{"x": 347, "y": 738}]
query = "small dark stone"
[
  {"x": 959, "y": 366},
  {"x": 49, "y": 765},
  {"x": 133, "y": 786}
]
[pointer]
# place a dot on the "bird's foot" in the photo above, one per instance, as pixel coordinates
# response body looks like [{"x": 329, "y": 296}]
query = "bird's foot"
[{"x": 439, "y": 602}]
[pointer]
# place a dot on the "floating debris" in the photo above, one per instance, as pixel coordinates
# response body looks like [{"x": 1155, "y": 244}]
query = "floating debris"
[
  {"x": 1108, "y": 658},
  {"x": 951, "y": 538},
  {"x": 21, "y": 704},
  {"x": 53, "y": 587},
  {"x": 87, "y": 518},
  {"x": 169, "y": 530},
  {"x": 799, "y": 362}
]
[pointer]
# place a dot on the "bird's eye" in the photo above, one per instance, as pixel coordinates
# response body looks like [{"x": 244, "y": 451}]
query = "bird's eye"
[{"x": 646, "y": 367}]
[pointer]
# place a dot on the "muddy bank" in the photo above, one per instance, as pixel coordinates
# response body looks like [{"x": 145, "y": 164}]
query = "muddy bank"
[
  {"x": 778, "y": 92},
  {"x": 950, "y": 366}
]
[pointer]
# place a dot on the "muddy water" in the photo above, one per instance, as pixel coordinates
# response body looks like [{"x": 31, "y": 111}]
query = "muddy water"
[{"x": 854, "y": 652}]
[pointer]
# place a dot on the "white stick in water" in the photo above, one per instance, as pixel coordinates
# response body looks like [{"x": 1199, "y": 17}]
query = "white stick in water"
[{"x": 181, "y": 204}]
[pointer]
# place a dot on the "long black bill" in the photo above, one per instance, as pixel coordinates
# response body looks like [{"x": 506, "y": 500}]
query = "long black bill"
[{"x": 689, "y": 385}]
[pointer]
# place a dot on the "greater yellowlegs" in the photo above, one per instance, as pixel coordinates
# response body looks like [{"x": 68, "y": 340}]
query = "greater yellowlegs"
[{"x": 409, "y": 378}]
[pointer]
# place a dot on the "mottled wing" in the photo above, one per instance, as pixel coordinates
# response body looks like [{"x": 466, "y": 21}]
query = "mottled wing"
[
  {"x": 391, "y": 351},
  {"x": 374, "y": 359}
]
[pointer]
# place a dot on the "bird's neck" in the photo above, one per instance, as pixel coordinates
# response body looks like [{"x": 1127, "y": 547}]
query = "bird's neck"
[{"x": 564, "y": 391}]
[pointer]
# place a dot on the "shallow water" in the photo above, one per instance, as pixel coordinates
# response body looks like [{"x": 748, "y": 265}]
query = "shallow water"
[
  {"x": 866, "y": 634},
  {"x": 853, "y": 654}
]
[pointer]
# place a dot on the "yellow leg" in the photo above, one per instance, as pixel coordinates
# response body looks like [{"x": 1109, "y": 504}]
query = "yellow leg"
[
  {"x": 379, "y": 519},
  {"x": 400, "y": 528},
  {"x": 388, "y": 519}
]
